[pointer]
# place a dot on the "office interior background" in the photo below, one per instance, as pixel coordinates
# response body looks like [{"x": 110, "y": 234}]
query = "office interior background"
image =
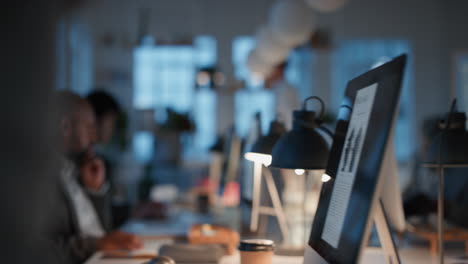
[
  {"x": 148, "y": 53},
  {"x": 191, "y": 57}
]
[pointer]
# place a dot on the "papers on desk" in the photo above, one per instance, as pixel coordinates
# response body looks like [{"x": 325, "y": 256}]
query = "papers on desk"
[{"x": 149, "y": 250}]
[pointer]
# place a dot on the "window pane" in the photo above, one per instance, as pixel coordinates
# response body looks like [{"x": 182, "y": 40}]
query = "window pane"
[
  {"x": 462, "y": 81},
  {"x": 241, "y": 46},
  {"x": 206, "y": 51},
  {"x": 164, "y": 77},
  {"x": 247, "y": 104}
]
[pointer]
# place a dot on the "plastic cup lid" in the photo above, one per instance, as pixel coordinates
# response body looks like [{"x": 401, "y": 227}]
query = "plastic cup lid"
[{"x": 256, "y": 245}]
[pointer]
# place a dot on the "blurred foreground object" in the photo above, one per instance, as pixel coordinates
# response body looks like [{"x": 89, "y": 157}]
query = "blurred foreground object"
[{"x": 210, "y": 234}]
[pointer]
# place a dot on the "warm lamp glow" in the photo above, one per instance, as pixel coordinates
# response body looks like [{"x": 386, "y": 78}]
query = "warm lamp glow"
[
  {"x": 325, "y": 177},
  {"x": 203, "y": 78},
  {"x": 299, "y": 171},
  {"x": 257, "y": 157}
]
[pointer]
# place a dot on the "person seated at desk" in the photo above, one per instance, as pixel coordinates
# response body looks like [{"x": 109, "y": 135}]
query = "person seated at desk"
[
  {"x": 79, "y": 231},
  {"x": 107, "y": 112}
]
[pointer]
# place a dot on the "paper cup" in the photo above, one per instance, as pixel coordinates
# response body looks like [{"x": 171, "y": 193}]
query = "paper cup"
[{"x": 256, "y": 251}]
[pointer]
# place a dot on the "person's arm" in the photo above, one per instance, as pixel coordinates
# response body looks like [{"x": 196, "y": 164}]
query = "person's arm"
[
  {"x": 92, "y": 177},
  {"x": 76, "y": 249}
]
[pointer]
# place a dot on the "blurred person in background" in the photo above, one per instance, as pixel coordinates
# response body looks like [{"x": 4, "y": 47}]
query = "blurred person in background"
[
  {"x": 107, "y": 112},
  {"x": 79, "y": 230}
]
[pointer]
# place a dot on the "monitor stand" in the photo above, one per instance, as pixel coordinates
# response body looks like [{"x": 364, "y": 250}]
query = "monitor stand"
[
  {"x": 389, "y": 200},
  {"x": 388, "y": 197},
  {"x": 385, "y": 235}
]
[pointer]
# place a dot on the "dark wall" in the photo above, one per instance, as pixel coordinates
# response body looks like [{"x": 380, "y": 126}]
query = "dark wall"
[{"x": 26, "y": 140}]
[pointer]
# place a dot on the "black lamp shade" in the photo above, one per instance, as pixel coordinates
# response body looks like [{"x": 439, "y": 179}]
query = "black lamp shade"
[
  {"x": 303, "y": 147},
  {"x": 265, "y": 144},
  {"x": 452, "y": 142}
]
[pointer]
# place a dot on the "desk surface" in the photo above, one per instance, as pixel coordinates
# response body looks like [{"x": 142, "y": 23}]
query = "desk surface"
[
  {"x": 371, "y": 256},
  {"x": 156, "y": 235}
]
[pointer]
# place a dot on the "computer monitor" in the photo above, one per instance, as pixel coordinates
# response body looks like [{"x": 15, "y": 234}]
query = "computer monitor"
[{"x": 360, "y": 162}]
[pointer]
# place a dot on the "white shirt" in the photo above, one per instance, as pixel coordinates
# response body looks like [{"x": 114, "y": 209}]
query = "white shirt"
[{"x": 87, "y": 218}]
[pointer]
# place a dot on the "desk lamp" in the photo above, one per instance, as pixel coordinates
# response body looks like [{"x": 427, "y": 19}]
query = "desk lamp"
[
  {"x": 447, "y": 150},
  {"x": 260, "y": 154},
  {"x": 261, "y": 150},
  {"x": 304, "y": 148}
]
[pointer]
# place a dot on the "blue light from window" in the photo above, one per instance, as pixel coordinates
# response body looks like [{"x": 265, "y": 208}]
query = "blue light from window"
[
  {"x": 164, "y": 76},
  {"x": 143, "y": 146},
  {"x": 241, "y": 46},
  {"x": 462, "y": 81},
  {"x": 205, "y": 51},
  {"x": 247, "y": 104}
]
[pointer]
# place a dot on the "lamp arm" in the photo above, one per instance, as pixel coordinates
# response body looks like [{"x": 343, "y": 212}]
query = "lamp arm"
[
  {"x": 440, "y": 199},
  {"x": 326, "y": 130}
]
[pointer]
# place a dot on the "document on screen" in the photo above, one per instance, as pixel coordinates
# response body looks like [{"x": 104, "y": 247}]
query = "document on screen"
[{"x": 349, "y": 162}]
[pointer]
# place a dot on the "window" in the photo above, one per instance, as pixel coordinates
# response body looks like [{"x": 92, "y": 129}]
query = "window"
[
  {"x": 206, "y": 55},
  {"x": 241, "y": 46},
  {"x": 74, "y": 56},
  {"x": 247, "y": 104},
  {"x": 205, "y": 98},
  {"x": 164, "y": 77},
  {"x": 252, "y": 99},
  {"x": 358, "y": 56},
  {"x": 461, "y": 80}
]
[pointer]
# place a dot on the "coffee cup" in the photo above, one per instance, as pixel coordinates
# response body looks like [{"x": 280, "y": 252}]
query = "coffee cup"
[{"x": 256, "y": 251}]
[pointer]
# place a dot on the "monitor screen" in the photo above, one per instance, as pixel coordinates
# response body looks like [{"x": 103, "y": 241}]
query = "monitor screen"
[{"x": 343, "y": 218}]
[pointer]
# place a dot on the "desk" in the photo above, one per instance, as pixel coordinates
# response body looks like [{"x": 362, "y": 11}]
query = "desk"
[
  {"x": 155, "y": 234},
  {"x": 371, "y": 256}
]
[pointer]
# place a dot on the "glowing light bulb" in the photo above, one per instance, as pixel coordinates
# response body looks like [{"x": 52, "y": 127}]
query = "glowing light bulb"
[
  {"x": 299, "y": 171},
  {"x": 258, "y": 157},
  {"x": 325, "y": 177}
]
